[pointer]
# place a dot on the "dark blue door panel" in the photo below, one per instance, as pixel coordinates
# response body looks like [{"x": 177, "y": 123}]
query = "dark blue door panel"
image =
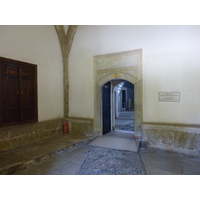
[{"x": 106, "y": 108}]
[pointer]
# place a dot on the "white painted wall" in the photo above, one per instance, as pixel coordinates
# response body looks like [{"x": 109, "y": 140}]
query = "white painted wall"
[
  {"x": 171, "y": 63},
  {"x": 38, "y": 45}
]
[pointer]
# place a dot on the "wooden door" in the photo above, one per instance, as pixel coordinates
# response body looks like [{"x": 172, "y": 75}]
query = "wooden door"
[
  {"x": 106, "y": 107},
  {"x": 18, "y": 92},
  {"x": 10, "y": 94}
]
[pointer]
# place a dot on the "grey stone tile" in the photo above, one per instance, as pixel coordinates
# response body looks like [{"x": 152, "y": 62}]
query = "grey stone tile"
[
  {"x": 63, "y": 163},
  {"x": 162, "y": 163},
  {"x": 157, "y": 162},
  {"x": 191, "y": 166},
  {"x": 77, "y": 155},
  {"x": 48, "y": 168},
  {"x": 30, "y": 171},
  {"x": 116, "y": 143},
  {"x": 69, "y": 168},
  {"x": 39, "y": 151},
  {"x": 121, "y": 134},
  {"x": 49, "y": 164}
]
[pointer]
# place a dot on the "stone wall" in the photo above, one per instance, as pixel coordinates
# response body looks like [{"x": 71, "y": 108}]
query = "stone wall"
[
  {"x": 15, "y": 136},
  {"x": 81, "y": 126},
  {"x": 19, "y": 135},
  {"x": 178, "y": 138}
]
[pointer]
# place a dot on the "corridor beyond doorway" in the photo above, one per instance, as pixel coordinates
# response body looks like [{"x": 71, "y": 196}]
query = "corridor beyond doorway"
[
  {"x": 125, "y": 121},
  {"x": 117, "y": 106}
]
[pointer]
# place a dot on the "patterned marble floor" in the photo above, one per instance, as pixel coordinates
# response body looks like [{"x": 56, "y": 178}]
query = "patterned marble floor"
[{"x": 103, "y": 161}]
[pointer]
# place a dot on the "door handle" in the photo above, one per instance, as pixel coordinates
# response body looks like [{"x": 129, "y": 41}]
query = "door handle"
[{"x": 17, "y": 92}]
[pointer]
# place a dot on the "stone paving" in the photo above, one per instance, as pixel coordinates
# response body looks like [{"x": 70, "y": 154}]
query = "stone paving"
[
  {"x": 67, "y": 163},
  {"x": 26, "y": 156},
  {"x": 106, "y": 161},
  {"x": 159, "y": 162},
  {"x": 73, "y": 155},
  {"x": 155, "y": 162}
]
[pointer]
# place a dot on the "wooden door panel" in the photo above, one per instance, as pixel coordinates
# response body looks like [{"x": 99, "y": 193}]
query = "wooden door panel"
[
  {"x": 10, "y": 94},
  {"x": 11, "y": 116},
  {"x": 18, "y": 92},
  {"x": 26, "y": 93}
]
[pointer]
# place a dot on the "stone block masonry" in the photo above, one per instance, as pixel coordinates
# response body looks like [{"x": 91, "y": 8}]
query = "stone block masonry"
[
  {"x": 171, "y": 137},
  {"x": 81, "y": 126},
  {"x": 19, "y": 135}
]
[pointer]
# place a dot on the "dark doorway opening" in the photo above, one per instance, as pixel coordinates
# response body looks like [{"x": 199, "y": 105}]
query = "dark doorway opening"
[
  {"x": 117, "y": 106},
  {"x": 123, "y": 100},
  {"x": 106, "y": 107}
]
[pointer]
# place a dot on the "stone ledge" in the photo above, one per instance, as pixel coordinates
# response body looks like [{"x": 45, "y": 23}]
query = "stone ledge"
[
  {"x": 19, "y": 135},
  {"x": 170, "y": 125},
  {"x": 22, "y": 158},
  {"x": 172, "y": 137},
  {"x": 81, "y": 126}
]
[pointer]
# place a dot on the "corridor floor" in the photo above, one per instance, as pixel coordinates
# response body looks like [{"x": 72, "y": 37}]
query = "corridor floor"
[
  {"x": 102, "y": 161},
  {"x": 125, "y": 121}
]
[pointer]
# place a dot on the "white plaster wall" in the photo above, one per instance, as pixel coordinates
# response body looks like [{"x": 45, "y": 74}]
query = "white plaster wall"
[
  {"x": 38, "y": 45},
  {"x": 171, "y": 63}
]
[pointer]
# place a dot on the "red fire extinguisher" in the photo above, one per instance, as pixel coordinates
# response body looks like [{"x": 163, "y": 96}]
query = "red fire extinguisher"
[{"x": 65, "y": 128}]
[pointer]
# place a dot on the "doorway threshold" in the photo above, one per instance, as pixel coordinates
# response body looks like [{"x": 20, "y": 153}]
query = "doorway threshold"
[{"x": 120, "y": 140}]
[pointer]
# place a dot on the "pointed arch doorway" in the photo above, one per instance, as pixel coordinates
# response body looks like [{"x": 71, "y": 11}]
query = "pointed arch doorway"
[{"x": 118, "y": 66}]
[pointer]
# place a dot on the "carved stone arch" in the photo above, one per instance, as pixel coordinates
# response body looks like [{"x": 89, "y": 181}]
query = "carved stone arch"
[
  {"x": 109, "y": 77},
  {"x": 125, "y": 66}
]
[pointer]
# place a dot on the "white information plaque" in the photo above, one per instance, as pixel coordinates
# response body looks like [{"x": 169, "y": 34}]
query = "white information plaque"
[{"x": 169, "y": 96}]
